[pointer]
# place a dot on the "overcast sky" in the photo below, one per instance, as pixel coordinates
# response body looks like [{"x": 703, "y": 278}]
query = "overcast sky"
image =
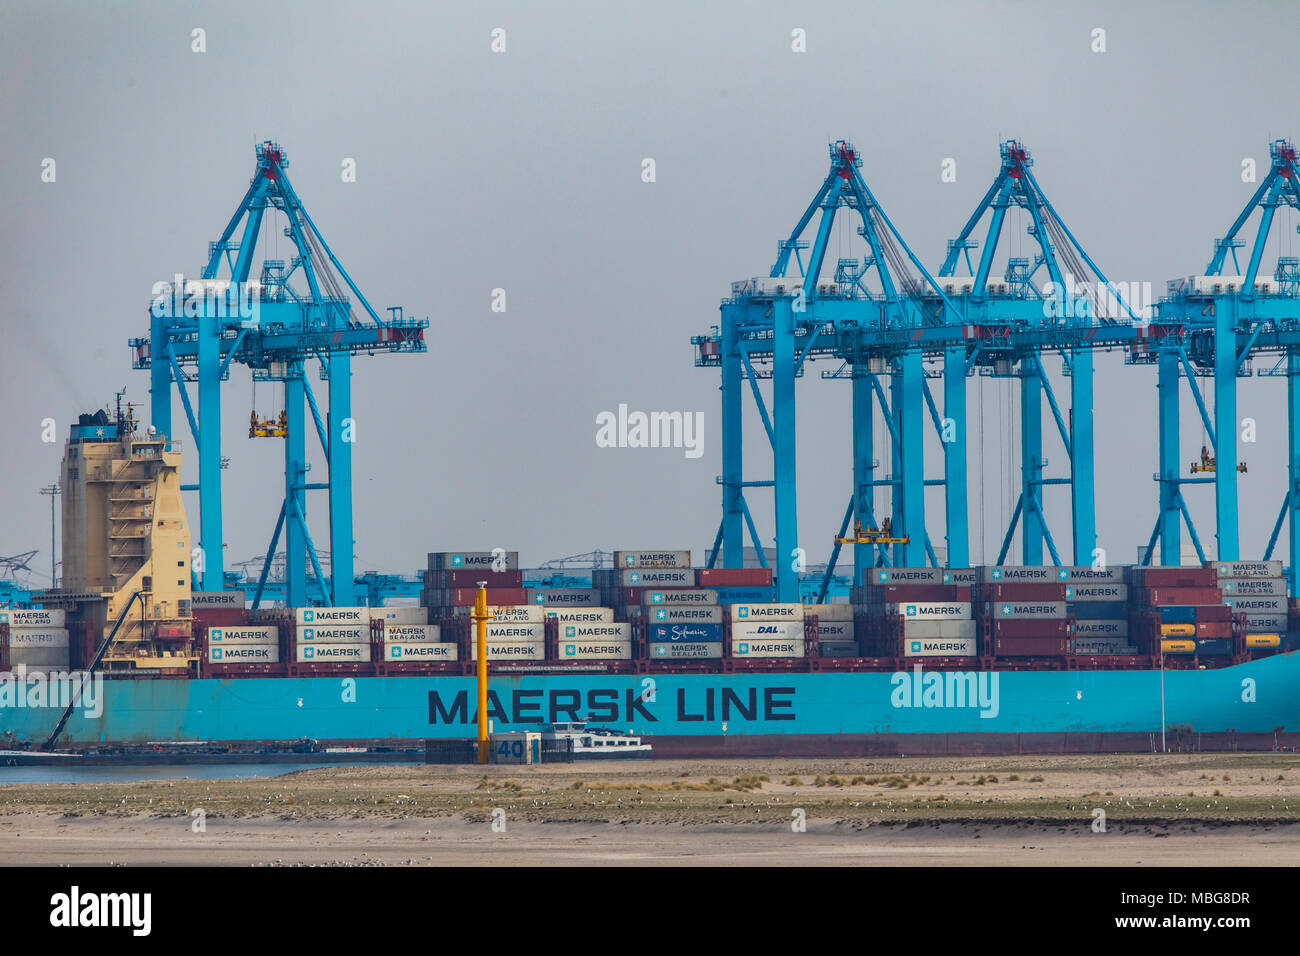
[{"x": 522, "y": 170}]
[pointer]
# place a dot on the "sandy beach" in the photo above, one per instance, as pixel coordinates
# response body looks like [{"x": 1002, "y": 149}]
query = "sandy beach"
[{"x": 1240, "y": 809}]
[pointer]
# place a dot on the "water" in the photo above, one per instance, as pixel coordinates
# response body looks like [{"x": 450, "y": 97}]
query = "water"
[{"x": 99, "y": 774}]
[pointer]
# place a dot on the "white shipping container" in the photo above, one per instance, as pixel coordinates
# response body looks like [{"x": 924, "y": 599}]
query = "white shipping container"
[
  {"x": 960, "y": 577},
  {"x": 677, "y": 613},
  {"x": 835, "y": 631},
  {"x": 657, "y": 578},
  {"x": 217, "y": 600},
  {"x": 1076, "y": 574},
  {"x": 766, "y": 631},
  {"x": 400, "y": 615},
  {"x": 1247, "y": 569},
  {"x": 1101, "y": 629},
  {"x": 39, "y": 658},
  {"x": 334, "y": 634},
  {"x": 38, "y": 637},
  {"x": 505, "y": 631},
  {"x": 906, "y": 576},
  {"x": 244, "y": 653},
  {"x": 652, "y": 559},
  {"x": 596, "y": 650},
  {"x": 1089, "y": 591},
  {"x": 333, "y": 615},
  {"x": 939, "y": 647},
  {"x": 1265, "y": 622},
  {"x": 508, "y": 613},
  {"x": 1243, "y": 586},
  {"x": 938, "y": 629},
  {"x": 681, "y": 596},
  {"x": 1028, "y": 610},
  {"x": 1023, "y": 574},
  {"x": 596, "y": 632},
  {"x": 511, "y": 650},
  {"x": 767, "y": 646},
  {"x": 931, "y": 610},
  {"x": 1256, "y": 604},
  {"x": 1103, "y": 646},
  {"x": 412, "y": 633},
  {"x": 564, "y": 597},
  {"x": 333, "y": 653},
  {"x": 580, "y": 615},
  {"x": 829, "y": 612},
  {"x": 243, "y": 635},
  {"x": 428, "y": 651},
  {"x": 765, "y": 612},
  {"x": 684, "y": 651},
  {"x": 474, "y": 560},
  {"x": 33, "y": 617}
]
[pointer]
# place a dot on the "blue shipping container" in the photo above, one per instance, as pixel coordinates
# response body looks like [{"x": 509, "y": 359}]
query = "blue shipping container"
[
  {"x": 1214, "y": 645},
  {"x": 1098, "y": 610},
  {"x": 744, "y": 595},
  {"x": 1178, "y": 614},
  {"x": 697, "y": 633}
]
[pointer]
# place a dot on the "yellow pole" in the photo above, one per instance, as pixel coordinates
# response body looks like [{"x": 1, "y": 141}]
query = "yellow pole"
[{"x": 481, "y": 617}]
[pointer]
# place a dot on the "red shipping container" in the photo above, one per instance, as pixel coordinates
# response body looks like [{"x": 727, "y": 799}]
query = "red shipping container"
[
  {"x": 1030, "y": 630},
  {"x": 1029, "y": 647},
  {"x": 458, "y": 597},
  {"x": 463, "y": 578},
  {"x": 1177, "y": 578},
  {"x": 221, "y": 617},
  {"x": 935, "y": 593},
  {"x": 1023, "y": 591},
  {"x": 1209, "y": 629},
  {"x": 1165, "y": 596},
  {"x": 733, "y": 577},
  {"x": 1213, "y": 612}
]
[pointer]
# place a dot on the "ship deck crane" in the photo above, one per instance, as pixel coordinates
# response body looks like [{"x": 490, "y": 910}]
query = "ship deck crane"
[{"x": 276, "y": 327}]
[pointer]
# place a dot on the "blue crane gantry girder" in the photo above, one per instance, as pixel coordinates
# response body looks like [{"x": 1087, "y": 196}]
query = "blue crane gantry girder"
[
  {"x": 275, "y": 329},
  {"x": 771, "y": 327},
  {"x": 1213, "y": 324}
]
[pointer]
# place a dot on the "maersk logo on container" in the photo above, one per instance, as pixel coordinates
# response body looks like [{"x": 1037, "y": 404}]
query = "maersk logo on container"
[
  {"x": 333, "y": 615},
  {"x": 1028, "y": 574},
  {"x": 776, "y": 612},
  {"x": 626, "y": 429},
  {"x": 957, "y": 689}
]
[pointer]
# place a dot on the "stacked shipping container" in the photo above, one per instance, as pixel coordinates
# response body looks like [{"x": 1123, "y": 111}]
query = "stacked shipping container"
[
  {"x": 915, "y": 613},
  {"x": 36, "y": 639}
]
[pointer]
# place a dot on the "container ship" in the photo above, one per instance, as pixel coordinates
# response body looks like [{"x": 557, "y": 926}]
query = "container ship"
[{"x": 695, "y": 660}]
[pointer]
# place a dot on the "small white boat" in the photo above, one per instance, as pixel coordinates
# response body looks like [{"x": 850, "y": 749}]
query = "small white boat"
[{"x": 592, "y": 741}]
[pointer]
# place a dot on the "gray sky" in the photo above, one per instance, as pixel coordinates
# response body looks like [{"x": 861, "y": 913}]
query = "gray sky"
[{"x": 523, "y": 171}]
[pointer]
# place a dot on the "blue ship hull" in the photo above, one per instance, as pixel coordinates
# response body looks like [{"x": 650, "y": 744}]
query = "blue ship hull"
[{"x": 704, "y": 713}]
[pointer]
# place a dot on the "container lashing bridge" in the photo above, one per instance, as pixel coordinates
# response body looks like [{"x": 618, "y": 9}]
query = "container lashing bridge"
[{"x": 276, "y": 327}]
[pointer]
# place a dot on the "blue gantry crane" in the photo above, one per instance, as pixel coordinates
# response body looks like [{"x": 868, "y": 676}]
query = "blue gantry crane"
[
  {"x": 867, "y": 314},
  {"x": 889, "y": 328},
  {"x": 1072, "y": 294},
  {"x": 296, "y": 312},
  {"x": 1210, "y": 326}
]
